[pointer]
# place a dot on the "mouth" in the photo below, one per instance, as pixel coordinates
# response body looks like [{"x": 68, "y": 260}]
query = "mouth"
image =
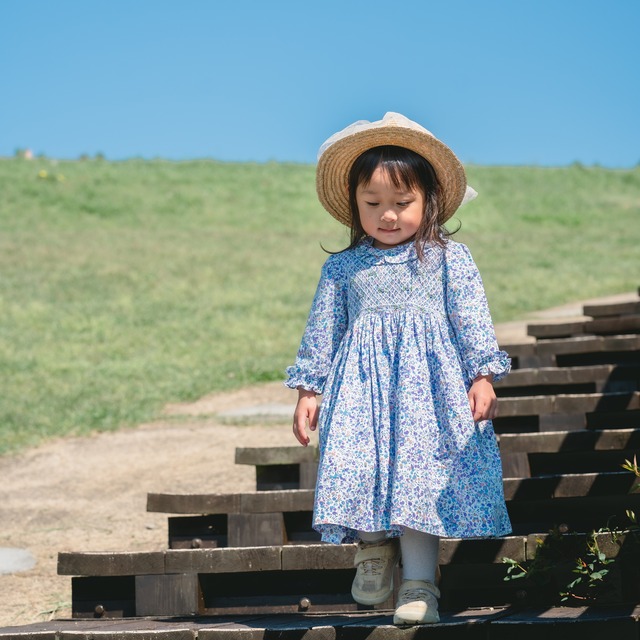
[{"x": 382, "y": 230}]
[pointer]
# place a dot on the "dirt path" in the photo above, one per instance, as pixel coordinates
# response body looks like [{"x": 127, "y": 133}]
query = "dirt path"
[{"x": 89, "y": 494}]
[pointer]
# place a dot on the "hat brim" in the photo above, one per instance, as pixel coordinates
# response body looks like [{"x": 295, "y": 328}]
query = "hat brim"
[{"x": 334, "y": 165}]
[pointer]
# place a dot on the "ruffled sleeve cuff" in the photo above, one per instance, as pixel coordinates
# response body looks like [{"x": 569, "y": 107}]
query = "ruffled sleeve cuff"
[
  {"x": 296, "y": 377},
  {"x": 497, "y": 364}
]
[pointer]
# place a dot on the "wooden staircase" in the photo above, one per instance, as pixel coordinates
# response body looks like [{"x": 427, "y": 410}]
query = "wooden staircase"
[{"x": 249, "y": 564}]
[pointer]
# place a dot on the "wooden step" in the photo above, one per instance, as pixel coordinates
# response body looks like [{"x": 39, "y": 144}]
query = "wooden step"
[
  {"x": 602, "y": 310},
  {"x": 582, "y": 501},
  {"x": 554, "y": 380},
  {"x": 565, "y": 412},
  {"x": 230, "y": 503},
  {"x": 569, "y": 486},
  {"x": 281, "y": 467},
  {"x": 570, "y": 441},
  {"x": 270, "y": 558},
  {"x": 609, "y": 325},
  {"x": 561, "y": 485},
  {"x": 588, "y": 350},
  {"x": 529, "y": 454},
  {"x": 491, "y": 623},
  {"x": 570, "y": 404},
  {"x": 285, "y": 579},
  {"x": 237, "y": 520},
  {"x": 574, "y": 351}
]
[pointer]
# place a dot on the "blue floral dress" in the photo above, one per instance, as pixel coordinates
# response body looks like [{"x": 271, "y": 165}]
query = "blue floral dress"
[{"x": 393, "y": 344}]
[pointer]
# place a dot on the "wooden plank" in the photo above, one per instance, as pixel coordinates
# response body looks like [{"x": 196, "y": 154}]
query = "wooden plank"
[
  {"x": 290, "y": 500},
  {"x": 607, "y": 543},
  {"x": 611, "y": 309},
  {"x": 481, "y": 551},
  {"x": 224, "y": 560},
  {"x": 568, "y": 623},
  {"x": 568, "y": 441},
  {"x": 305, "y": 557},
  {"x": 551, "y": 623},
  {"x": 283, "y": 631},
  {"x": 524, "y": 406},
  {"x": 111, "y": 563},
  {"x": 167, "y": 595},
  {"x": 248, "y": 502},
  {"x": 105, "y": 629},
  {"x": 278, "y": 591},
  {"x": 569, "y": 404},
  {"x": 198, "y": 532},
  {"x": 602, "y": 326},
  {"x": 523, "y": 355},
  {"x": 569, "y": 485},
  {"x": 469, "y": 624},
  {"x": 561, "y": 329},
  {"x": 626, "y": 419},
  {"x": 103, "y": 597},
  {"x": 596, "y": 402},
  {"x": 308, "y": 474},
  {"x": 580, "y": 513},
  {"x": 621, "y": 324},
  {"x": 275, "y": 455},
  {"x": 554, "y": 376},
  {"x": 588, "y": 344},
  {"x": 256, "y": 529},
  {"x": 515, "y": 465},
  {"x": 476, "y": 585},
  {"x": 193, "y": 503}
]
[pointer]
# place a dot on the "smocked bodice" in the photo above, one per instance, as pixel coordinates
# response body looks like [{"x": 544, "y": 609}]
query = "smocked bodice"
[{"x": 394, "y": 279}]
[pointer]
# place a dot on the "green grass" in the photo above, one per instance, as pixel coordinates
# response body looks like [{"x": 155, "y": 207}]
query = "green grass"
[{"x": 129, "y": 285}]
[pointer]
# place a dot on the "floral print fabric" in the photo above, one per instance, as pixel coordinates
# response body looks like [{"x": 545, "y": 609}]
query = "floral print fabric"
[{"x": 393, "y": 344}]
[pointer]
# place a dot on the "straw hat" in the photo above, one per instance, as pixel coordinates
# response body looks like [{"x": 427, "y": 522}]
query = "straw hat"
[{"x": 340, "y": 151}]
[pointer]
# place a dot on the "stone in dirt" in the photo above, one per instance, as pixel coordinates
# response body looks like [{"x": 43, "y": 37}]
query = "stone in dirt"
[{"x": 13, "y": 560}]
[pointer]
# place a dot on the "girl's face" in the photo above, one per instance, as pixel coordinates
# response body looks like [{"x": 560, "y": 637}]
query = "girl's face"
[{"x": 390, "y": 215}]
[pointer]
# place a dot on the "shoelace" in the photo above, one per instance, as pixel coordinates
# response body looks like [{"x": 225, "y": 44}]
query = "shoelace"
[
  {"x": 416, "y": 593},
  {"x": 374, "y": 567}
]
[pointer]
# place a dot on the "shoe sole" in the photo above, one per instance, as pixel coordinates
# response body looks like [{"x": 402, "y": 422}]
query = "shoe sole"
[{"x": 407, "y": 623}]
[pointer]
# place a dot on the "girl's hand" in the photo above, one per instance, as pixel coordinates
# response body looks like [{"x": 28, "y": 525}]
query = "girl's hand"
[
  {"x": 482, "y": 399},
  {"x": 306, "y": 413}
]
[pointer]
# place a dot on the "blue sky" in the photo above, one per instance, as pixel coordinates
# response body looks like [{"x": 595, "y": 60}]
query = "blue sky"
[{"x": 544, "y": 82}]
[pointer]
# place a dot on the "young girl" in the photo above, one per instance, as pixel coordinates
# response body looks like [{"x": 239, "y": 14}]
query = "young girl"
[{"x": 400, "y": 344}]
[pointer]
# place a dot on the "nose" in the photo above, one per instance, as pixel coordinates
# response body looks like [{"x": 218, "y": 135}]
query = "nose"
[{"x": 389, "y": 215}]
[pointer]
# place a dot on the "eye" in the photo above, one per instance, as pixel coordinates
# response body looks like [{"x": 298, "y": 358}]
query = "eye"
[
  {"x": 404, "y": 203},
  {"x": 372, "y": 204}
]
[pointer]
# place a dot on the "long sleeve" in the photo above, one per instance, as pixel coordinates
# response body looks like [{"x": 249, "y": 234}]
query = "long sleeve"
[
  {"x": 469, "y": 316},
  {"x": 325, "y": 328}
]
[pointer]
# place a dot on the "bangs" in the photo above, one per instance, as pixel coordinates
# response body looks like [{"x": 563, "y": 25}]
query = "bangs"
[{"x": 406, "y": 169}]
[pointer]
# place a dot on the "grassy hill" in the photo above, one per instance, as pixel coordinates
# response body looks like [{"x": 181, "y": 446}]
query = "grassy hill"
[{"x": 128, "y": 285}]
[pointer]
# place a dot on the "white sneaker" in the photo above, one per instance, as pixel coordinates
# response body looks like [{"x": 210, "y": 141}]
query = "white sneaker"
[
  {"x": 375, "y": 563},
  {"x": 417, "y": 603}
]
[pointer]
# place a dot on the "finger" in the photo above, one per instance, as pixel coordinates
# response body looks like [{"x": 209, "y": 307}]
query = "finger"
[
  {"x": 301, "y": 435},
  {"x": 299, "y": 430},
  {"x": 481, "y": 410},
  {"x": 472, "y": 403},
  {"x": 313, "y": 419}
]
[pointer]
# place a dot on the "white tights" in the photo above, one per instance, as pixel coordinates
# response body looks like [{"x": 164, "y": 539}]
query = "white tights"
[{"x": 419, "y": 553}]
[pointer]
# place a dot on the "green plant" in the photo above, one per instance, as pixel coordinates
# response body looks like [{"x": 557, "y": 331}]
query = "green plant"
[
  {"x": 576, "y": 569},
  {"x": 592, "y": 569},
  {"x": 569, "y": 569}
]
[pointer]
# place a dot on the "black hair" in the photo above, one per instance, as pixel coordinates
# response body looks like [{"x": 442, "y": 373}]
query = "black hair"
[{"x": 406, "y": 169}]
